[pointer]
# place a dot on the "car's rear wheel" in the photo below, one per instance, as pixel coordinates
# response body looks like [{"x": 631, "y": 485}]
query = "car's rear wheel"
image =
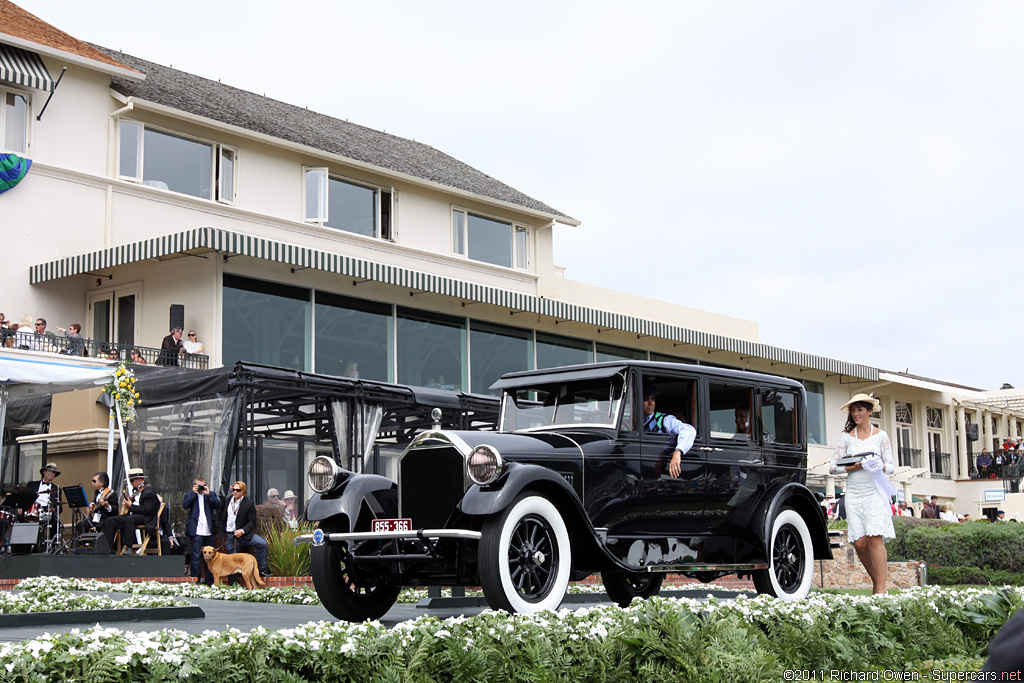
[
  {"x": 622, "y": 587},
  {"x": 791, "y": 560},
  {"x": 351, "y": 593},
  {"x": 525, "y": 557}
]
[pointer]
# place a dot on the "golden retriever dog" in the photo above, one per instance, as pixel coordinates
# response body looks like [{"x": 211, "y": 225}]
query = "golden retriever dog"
[{"x": 223, "y": 565}]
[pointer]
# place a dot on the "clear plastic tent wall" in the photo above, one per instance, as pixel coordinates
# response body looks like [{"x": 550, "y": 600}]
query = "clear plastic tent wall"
[{"x": 175, "y": 443}]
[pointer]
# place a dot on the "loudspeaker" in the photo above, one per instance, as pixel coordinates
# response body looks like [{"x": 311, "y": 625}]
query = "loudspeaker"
[
  {"x": 92, "y": 544},
  {"x": 24, "y": 537},
  {"x": 177, "y": 316}
]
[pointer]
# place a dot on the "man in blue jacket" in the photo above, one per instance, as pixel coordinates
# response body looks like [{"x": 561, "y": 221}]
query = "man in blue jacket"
[{"x": 201, "y": 526}]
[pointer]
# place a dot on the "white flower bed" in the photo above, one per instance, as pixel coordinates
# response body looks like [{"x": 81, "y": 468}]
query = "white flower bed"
[
  {"x": 741, "y": 639},
  {"x": 43, "y": 597}
]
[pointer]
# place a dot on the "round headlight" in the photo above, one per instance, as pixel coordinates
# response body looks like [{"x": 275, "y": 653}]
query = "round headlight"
[
  {"x": 484, "y": 465},
  {"x": 322, "y": 474}
]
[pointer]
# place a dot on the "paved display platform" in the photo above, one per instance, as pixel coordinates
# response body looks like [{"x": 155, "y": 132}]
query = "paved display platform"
[{"x": 245, "y": 616}]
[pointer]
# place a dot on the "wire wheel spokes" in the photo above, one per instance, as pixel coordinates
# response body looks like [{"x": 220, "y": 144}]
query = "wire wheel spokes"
[
  {"x": 788, "y": 558},
  {"x": 532, "y": 557}
]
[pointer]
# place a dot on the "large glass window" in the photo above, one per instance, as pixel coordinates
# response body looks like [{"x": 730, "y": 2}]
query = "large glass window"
[
  {"x": 346, "y": 205},
  {"x": 609, "y": 352},
  {"x": 353, "y": 337},
  {"x": 266, "y": 322},
  {"x": 495, "y": 350},
  {"x": 490, "y": 240},
  {"x": 175, "y": 162},
  {"x": 554, "y": 351},
  {"x": 430, "y": 349},
  {"x": 15, "y": 119},
  {"x": 815, "y": 411}
]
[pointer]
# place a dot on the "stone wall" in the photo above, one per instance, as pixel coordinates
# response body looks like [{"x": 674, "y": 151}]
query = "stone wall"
[{"x": 846, "y": 571}]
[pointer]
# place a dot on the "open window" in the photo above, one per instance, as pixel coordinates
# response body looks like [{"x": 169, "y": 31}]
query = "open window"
[{"x": 675, "y": 396}]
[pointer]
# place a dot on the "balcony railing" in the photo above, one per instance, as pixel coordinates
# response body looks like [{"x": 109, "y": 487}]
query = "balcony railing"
[
  {"x": 910, "y": 457},
  {"x": 940, "y": 466},
  {"x": 90, "y": 348}
]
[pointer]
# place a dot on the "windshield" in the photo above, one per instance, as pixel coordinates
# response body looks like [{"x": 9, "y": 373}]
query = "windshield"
[{"x": 591, "y": 402}]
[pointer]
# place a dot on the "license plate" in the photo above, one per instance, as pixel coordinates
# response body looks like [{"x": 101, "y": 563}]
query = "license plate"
[{"x": 391, "y": 525}]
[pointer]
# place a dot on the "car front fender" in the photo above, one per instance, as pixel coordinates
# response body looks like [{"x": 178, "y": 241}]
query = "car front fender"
[
  {"x": 352, "y": 494},
  {"x": 496, "y": 497}
]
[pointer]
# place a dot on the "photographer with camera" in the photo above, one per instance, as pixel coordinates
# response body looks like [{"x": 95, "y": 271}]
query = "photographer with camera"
[{"x": 201, "y": 526}]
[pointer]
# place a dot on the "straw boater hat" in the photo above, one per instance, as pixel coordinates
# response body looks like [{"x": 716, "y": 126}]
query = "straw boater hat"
[
  {"x": 51, "y": 467},
  {"x": 862, "y": 398},
  {"x": 136, "y": 473}
]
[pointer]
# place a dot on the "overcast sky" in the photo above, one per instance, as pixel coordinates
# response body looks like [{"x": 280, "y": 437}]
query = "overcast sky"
[{"x": 848, "y": 175}]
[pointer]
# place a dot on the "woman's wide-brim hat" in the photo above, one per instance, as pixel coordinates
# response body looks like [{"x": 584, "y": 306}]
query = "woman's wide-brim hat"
[
  {"x": 862, "y": 398},
  {"x": 51, "y": 467}
]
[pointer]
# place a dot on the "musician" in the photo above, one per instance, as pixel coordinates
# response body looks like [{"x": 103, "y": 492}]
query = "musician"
[
  {"x": 202, "y": 525},
  {"x": 103, "y": 506},
  {"x": 142, "y": 508},
  {"x": 44, "y": 487}
]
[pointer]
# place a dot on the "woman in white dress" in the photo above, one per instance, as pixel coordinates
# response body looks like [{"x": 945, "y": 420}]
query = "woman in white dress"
[{"x": 868, "y": 490}]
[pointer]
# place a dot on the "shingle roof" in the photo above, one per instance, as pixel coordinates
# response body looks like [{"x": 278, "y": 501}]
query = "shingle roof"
[
  {"x": 14, "y": 21},
  {"x": 233, "y": 106}
]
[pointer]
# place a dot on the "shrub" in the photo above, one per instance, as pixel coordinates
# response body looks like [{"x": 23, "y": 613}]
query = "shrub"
[
  {"x": 998, "y": 547},
  {"x": 269, "y": 520},
  {"x": 285, "y": 558}
]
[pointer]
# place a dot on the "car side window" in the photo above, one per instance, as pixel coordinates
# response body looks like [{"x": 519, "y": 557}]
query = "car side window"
[
  {"x": 675, "y": 396},
  {"x": 778, "y": 416},
  {"x": 731, "y": 411}
]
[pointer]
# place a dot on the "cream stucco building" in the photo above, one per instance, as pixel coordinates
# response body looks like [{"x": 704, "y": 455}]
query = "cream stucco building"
[{"x": 158, "y": 198}]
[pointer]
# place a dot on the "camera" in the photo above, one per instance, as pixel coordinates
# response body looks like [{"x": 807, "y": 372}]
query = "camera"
[{"x": 200, "y": 488}]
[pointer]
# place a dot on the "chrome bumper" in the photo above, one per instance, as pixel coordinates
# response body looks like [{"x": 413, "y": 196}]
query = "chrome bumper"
[{"x": 318, "y": 537}]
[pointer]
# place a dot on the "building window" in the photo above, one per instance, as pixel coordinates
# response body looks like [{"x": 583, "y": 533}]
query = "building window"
[
  {"x": 490, "y": 240},
  {"x": 934, "y": 416},
  {"x": 495, "y": 350},
  {"x": 667, "y": 358},
  {"x": 178, "y": 163},
  {"x": 14, "y": 119},
  {"x": 347, "y": 205},
  {"x": 353, "y": 337},
  {"x": 266, "y": 322},
  {"x": 904, "y": 413},
  {"x": 609, "y": 352},
  {"x": 554, "y": 351},
  {"x": 430, "y": 349}
]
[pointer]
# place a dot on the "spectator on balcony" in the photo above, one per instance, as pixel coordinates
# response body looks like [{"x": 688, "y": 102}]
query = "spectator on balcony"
[
  {"x": 984, "y": 463},
  {"x": 137, "y": 357},
  {"x": 192, "y": 344},
  {"x": 76, "y": 345},
  {"x": 4, "y": 322},
  {"x": 171, "y": 348},
  {"x": 998, "y": 461}
]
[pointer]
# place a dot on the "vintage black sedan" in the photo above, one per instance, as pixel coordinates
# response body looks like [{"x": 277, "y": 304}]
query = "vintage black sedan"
[{"x": 573, "y": 483}]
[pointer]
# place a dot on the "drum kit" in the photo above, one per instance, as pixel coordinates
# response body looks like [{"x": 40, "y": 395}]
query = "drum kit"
[{"x": 36, "y": 528}]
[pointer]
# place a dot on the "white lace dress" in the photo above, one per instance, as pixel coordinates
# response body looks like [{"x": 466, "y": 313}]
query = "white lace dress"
[{"x": 866, "y": 513}]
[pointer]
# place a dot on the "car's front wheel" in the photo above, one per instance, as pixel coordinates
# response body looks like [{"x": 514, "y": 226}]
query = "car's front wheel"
[
  {"x": 349, "y": 593},
  {"x": 622, "y": 587},
  {"x": 524, "y": 556},
  {"x": 791, "y": 569}
]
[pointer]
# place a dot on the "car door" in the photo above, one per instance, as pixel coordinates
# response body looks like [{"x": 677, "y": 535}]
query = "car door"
[
  {"x": 733, "y": 452},
  {"x": 672, "y": 506}
]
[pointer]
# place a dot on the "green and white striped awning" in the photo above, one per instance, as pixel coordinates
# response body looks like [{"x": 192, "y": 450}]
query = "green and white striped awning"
[
  {"x": 304, "y": 257},
  {"x": 24, "y": 68}
]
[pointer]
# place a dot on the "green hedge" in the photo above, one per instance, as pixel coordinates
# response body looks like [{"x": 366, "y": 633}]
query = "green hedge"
[{"x": 970, "y": 553}]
